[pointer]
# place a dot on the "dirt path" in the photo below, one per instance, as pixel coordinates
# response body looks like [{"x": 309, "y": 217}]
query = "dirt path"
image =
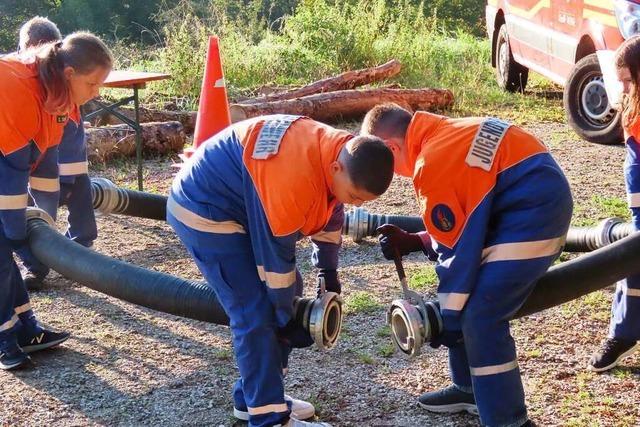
[{"x": 129, "y": 366}]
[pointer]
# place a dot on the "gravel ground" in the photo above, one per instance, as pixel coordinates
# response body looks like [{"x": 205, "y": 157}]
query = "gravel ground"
[{"x": 129, "y": 366}]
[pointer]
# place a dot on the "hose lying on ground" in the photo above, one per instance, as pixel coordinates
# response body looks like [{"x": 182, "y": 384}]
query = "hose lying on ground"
[
  {"x": 358, "y": 223},
  {"x": 321, "y": 317}
]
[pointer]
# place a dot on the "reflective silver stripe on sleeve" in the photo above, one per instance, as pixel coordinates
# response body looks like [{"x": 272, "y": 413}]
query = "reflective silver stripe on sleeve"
[
  {"x": 23, "y": 308},
  {"x": 9, "y": 323},
  {"x": 494, "y": 369},
  {"x": 77, "y": 168},
  {"x": 633, "y": 292},
  {"x": 334, "y": 237},
  {"x": 266, "y": 409},
  {"x": 522, "y": 250},
  {"x": 452, "y": 301},
  {"x": 276, "y": 280},
  {"x": 49, "y": 185},
  {"x": 18, "y": 201},
  {"x": 634, "y": 200},
  {"x": 199, "y": 223}
]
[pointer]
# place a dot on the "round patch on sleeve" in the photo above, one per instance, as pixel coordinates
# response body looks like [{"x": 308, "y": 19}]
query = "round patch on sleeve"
[{"x": 442, "y": 217}]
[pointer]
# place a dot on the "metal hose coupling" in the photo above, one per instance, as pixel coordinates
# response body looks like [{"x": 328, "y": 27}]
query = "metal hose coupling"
[
  {"x": 359, "y": 223},
  {"x": 322, "y": 317},
  {"x": 107, "y": 197},
  {"x": 37, "y": 213},
  {"x": 413, "y": 322}
]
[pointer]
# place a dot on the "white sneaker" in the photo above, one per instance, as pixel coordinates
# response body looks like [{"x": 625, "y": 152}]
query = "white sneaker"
[
  {"x": 300, "y": 410},
  {"x": 298, "y": 423}
]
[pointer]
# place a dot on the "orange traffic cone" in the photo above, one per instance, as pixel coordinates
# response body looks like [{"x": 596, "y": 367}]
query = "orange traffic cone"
[{"x": 213, "y": 110}]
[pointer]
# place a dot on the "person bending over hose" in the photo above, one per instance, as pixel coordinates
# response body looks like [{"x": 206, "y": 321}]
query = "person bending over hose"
[{"x": 497, "y": 208}]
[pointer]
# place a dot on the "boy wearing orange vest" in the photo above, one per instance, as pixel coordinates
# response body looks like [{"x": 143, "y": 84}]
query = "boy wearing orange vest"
[
  {"x": 239, "y": 205},
  {"x": 496, "y": 207}
]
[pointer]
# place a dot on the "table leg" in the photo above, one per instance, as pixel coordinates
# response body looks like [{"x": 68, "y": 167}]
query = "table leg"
[{"x": 136, "y": 106}]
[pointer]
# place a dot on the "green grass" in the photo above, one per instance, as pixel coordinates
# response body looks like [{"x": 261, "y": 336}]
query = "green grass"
[
  {"x": 322, "y": 38},
  {"x": 361, "y": 302},
  {"x": 386, "y": 350},
  {"x": 425, "y": 278},
  {"x": 612, "y": 206}
]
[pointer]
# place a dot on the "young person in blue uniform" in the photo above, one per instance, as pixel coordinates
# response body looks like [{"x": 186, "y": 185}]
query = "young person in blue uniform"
[
  {"x": 624, "y": 329},
  {"x": 497, "y": 208},
  {"x": 239, "y": 205},
  {"x": 74, "y": 188},
  {"x": 38, "y": 91}
]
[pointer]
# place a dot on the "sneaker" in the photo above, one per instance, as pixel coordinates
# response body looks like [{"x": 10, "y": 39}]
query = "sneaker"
[
  {"x": 33, "y": 282},
  {"x": 42, "y": 340},
  {"x": 298, "y": 423},
  {"x": 450, "y": 400},
  {"x": 12, "y": 356},
  {"x": 611, "y": 353},
  {"x": 300, "y": 410}
]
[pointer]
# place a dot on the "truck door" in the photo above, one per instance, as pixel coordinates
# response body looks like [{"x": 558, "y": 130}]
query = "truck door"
[
  {"x": 529, "y": 37},
  {"x": 567, "y": 24}
]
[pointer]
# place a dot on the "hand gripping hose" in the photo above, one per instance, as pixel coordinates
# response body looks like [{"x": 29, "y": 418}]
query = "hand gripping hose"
[{"x": 358, "y": 223}]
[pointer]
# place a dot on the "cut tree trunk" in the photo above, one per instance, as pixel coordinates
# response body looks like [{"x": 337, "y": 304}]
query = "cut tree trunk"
[
  {"x": 186, "y": 118},
  {"x": 346, "y": 104},
  {"x": 112, "y": 141},
  {"x": 344, "y": 81}
]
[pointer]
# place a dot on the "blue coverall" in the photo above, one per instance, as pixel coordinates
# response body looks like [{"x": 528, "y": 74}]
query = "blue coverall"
[{"x": 217, "y": 213}]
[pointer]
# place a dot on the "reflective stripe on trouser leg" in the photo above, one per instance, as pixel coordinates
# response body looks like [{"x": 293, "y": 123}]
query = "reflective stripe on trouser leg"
[
  {"x": 13, "y": 294},
  {"x": 228, "y": 265},
  {"x": 82, "y": 220},
  {"x": 625, "y": 313},
  {"x": 490, "y": 349}
]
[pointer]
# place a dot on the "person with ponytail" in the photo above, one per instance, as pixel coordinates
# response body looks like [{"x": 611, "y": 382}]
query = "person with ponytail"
[
  {"x": 70, "y": 164},
  {"x": 624, "y": 328},
  {"x": 39, "y": 90}
]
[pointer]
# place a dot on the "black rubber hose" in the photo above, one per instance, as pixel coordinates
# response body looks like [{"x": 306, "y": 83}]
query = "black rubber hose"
[
  {"x": 108, "y": 198},
  {"x": 124, "y": 281},
  {"x": 585, "y": 274},
  {"x": 579, "y": 239}
]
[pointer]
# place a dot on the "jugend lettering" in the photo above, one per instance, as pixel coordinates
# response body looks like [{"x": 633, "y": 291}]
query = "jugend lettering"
[
  {"x": 267, "y": 146},
  {"x": 486, "y": 143}
]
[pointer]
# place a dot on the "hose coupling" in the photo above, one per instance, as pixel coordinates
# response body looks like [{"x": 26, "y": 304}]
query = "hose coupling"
[
  {"x": 322, "y": 317},
  {"x": 413, "y": 323},
  {"x": 107, "y": 197},
  {"x": 33, "y": 213}
]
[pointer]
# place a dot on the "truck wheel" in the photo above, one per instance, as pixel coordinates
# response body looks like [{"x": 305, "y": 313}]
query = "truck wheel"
[
  {"x": 510, "y": 75},
  {"x": 587, "y": 106}
]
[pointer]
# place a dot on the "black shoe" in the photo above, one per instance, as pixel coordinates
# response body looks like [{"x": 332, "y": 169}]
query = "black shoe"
[
  {"x": 42, "y": 340},
  {"x": 450, "y": 400},
  {"x": 33, "y": 282},
  {"x": 612, "y": 352},
  {"x": 12, "y": 356}
]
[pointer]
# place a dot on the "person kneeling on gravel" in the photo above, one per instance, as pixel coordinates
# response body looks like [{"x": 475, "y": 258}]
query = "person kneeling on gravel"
[
  {"x": 497, "y": 208},
  {"x": 239, "y": 205}
]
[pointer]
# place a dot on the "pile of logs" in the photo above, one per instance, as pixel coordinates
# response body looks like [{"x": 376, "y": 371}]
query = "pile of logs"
[{"x": 328, "y": 100}]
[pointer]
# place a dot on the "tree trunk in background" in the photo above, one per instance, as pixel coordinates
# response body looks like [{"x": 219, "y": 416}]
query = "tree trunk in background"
[
  {"x": 106, "y": 142},
  {"x": 346, "y": 104},
  {"x": 186, "y": 118},
  {"x": 344, "y": 81}
]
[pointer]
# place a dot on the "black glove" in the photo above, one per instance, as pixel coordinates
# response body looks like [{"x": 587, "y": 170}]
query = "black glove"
[
  {"x": 21, "y": 247},
  {"x": 331, "y": 281},
  {"x": 294, "y": 335},
  {"x": 446, "y": 338},
  {"x": 393, "y": 238}
]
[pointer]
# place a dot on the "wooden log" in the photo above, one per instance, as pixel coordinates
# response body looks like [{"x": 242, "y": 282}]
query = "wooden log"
[
  {"x": 186, "y": 118},
  {"x": 346, "y": 104},
  {"x": 345, "y": 81},
  {"x": 107, "y": 142}
]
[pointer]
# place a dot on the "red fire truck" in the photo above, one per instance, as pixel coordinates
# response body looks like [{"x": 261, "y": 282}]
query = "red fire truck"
[{"x": 563, "y": 40}]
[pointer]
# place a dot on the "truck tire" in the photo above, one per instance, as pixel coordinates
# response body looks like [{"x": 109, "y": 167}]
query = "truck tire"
[
  {"x": 587, "y": 106},
  {"x": 510, "y": 75}
]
